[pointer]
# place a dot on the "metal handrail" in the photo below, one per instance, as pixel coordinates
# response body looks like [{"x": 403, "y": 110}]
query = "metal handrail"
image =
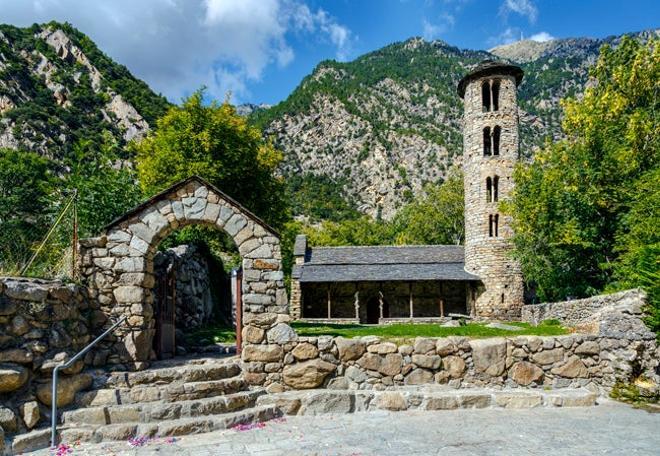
[{"x": 53, "y": 418}]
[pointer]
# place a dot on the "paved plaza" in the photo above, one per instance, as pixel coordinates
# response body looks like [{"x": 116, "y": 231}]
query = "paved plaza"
[{"x": 607, "y": 429}]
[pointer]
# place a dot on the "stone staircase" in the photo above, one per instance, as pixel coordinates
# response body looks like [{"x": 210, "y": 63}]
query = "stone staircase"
[{"x": 173, "y": 398}]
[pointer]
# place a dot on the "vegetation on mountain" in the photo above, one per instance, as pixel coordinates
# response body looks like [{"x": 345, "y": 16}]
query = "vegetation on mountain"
[{"x": 586, "y": 209}]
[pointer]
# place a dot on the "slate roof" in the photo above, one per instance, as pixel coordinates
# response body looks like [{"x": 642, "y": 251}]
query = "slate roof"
[
  {"x": 488, "y": 67},
  {"x": 383, "y": 263}
]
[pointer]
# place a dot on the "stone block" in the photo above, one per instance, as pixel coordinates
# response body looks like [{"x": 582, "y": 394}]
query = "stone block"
[
  {"x": 16, "y": 355},
  {"x": 307, "y": 374},
  {"x": 427, "y": 361},
  {"x": 305, "y": 351},
  {"x": 549, "y": 356},
  {"x": 454, "y": 366},
  {"x": 67, "y": 387},
  {"x": 524, "y": 373},
  {"x": 390, "y": 364},
  {"x": 263, "y": 353},
  {"x": 281, "y": 333},
  {"x": 30, "y": 414},
  {"x": 12, "y": 377},
  {"x": 445, "y": 346},
  {"x": 349, "y": 349},
  {"x": 8, "y": 420},
  {"x": 573, "y": 368},
  {"x": 418, "y": 377},
  {"x": 589, "y": 347},
  {"x": 424, "y": 345},
  {"x": 489, "y": 355},
  {"x": 391, "y": 400},
  {"x": 518, "y": 400},
  {"x": 253, "y": 334}
]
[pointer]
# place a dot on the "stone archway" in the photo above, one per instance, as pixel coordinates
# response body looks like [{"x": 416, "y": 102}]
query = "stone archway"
[{"x": 117, "y": 266}]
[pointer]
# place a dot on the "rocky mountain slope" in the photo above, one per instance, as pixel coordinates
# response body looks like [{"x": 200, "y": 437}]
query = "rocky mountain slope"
[
  {"x": 58, "y": 88},
  {"x": 386, "y": 123}
]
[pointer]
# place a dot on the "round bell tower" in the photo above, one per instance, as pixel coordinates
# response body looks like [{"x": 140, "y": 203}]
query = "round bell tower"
[{"x": 490, "y": 153}]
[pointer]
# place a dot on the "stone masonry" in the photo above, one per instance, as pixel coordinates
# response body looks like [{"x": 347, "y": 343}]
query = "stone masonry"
[
  {"x": 487, "y": 249},
  {"x": 118, "y": 269}
]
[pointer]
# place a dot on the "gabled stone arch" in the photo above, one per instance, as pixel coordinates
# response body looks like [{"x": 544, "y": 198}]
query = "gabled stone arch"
[{"x": 118, "y": 265}]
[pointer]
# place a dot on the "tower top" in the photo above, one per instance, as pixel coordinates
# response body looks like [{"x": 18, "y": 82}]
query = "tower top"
[{"x": 487, "y": 68}]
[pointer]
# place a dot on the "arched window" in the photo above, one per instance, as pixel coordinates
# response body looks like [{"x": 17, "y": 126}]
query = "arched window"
[
  {"x": 496, "y": 181},
  {"x": 487, "y": 149},
  {"x": 489, "y": 190},
  {"x": 497, "y": 219},
  {"x": 485, "y": 96},
  {"x": 490, "y": 225},
  {"x": 495, "y": 92},
  {"x": 496, "y": 140}
]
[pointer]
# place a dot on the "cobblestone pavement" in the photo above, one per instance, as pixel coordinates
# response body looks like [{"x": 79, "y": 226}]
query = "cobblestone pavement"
[{"x": 608, "y": 429}]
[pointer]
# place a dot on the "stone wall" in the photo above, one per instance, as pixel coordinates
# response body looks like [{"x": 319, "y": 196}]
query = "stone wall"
[
  {"x": 618, "y": 348},
  {"x": 579, "y": 311},
  {"x": 194, "y": 298},
  {"x": 42, "y": 324}
]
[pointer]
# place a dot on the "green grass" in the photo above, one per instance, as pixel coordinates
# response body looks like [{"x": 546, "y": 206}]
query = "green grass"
[
  {"x": 409, "y": 331},
  {"x": 210, "y": 335}
]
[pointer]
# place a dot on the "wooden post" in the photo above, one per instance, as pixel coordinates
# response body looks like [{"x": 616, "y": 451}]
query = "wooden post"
[
  {"x": 441, "y": 301},
  {"x": 410, "y": 296},
  {"x": 329, "y": 304},
  {"x": 357, "y": 302}
]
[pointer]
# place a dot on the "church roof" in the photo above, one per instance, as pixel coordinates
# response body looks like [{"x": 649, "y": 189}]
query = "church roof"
[
  {"x": 383, "y": 263},
  {"x": 487, "y": 68}
]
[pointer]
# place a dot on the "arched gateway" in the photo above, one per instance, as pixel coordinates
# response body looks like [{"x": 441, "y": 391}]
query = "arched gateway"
[{"x": 117, "y": 266}]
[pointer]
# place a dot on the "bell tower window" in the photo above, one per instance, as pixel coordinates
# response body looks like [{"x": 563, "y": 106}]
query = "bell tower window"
[
  {"x": 485, "y": 96},
  {"x": 496, "y": 140},
  {"x": 487, "y": 143},
  {"x": 493, "y": 221},
  {"x": 489, "y": 190},
  {"x": 496, "y": 181},
  {"x": 495, "y": 93}
]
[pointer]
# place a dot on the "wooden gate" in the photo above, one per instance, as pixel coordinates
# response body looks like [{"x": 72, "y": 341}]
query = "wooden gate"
[{"x": 165, "y": 314}]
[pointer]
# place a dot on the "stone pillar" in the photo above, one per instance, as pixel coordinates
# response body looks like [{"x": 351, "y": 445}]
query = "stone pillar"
[
  {"x": 488, "y": 249},
  {"x": 299, "y": 254}
]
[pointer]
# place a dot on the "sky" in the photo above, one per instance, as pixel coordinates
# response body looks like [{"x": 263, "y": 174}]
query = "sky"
[{"x": 258, "y": 51}]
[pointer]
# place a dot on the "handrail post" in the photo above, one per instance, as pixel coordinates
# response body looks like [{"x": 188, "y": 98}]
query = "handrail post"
[{"x": 53, "y": 418}]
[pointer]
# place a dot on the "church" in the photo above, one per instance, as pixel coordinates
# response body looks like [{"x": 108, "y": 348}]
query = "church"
[{"x": 431, "y": 283}]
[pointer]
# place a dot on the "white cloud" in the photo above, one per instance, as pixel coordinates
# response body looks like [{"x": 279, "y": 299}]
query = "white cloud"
[
  {"x": 432, "y": 31},
  {"x": 525, "y": 8},
  {"x": 179, "y": 45},
  {"x": 541, "y": 37},
  {"x": 508, "y": 36}
]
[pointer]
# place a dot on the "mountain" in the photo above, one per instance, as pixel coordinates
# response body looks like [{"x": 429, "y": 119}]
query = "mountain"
[
  {"x": 383, "y": 125},
  {"x": 57, "y": 88}
]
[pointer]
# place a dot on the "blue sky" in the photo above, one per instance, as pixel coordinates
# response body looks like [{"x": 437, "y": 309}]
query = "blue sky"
[{"x": 259, "y": 50}]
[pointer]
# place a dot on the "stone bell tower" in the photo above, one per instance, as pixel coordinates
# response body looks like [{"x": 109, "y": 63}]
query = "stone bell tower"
[{"x": 490, "y": 152}]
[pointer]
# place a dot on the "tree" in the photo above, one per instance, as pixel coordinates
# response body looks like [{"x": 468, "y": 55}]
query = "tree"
[
  {"x": 217, "y": 144},
  {"x": 25, "y": 188},
  {"x": 583, "y": 211},
  {"x": 437, "y": 217}
]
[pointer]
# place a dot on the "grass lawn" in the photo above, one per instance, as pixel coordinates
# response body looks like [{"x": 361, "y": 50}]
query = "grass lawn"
[
  {"x": 223, "y": 334},
  {"x": 410, "y": 331}
]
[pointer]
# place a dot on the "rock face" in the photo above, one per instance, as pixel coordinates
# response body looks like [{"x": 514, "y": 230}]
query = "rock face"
[{"x": 61, "y": 61}]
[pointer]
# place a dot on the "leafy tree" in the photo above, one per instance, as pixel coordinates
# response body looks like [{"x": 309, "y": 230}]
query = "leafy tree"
[
  {"x": 106, "y": 186},
  {"x": 25, "y": 188},
  {"x": 212, "y": 141},
  {"x": 435, "y": 218},
  {"x": 583, "y": 211}
]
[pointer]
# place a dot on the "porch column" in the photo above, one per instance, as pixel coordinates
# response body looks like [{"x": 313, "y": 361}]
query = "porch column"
[
  {"x": 410, "y": 299},
  {"x": 357, "y": 303},
  {"x": 441, "y": 300},
  {"x": 381, "y": 304},
  {"x": 329, "y": 304}
]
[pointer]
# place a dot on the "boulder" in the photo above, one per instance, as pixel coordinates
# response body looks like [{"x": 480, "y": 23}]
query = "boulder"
[
  {"x": 574, "y": 368},
  {"x": 253, "y": 334},
  {"x": 390, "y": 364},
  {"x": 424, "y": 345},
  {"x": 8, "y": 420},
  {"x": 307, "y": 374},
  {"x": 419, "y": 377},
  {"x": 349, "y": 349},
  {"x": 12, "y": 377},
  {"x": 305, "y": 351},
  {"x": 67, "y": 387},
  {"x": 549, "y": 356},
  {"x": 489, "y": 355},
  {"x": 281, "y": 333},
  {"x": 524, "y": 373},
  {"x": 427, "y": 361},
  {"x": 454, "y": 366},
  {"x": 264, "y": 353},
  {"x": 589, "y": 347}
]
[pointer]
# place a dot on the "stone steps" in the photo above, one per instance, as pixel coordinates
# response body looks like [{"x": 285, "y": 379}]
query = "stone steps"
[
  {"x": 157, "y": 411},
  {"x": 166, "y": 393},
  {"x": 313, "y": 402},
  {"x": 211, "y": 370},
  {"x": 169, "y": 427}
]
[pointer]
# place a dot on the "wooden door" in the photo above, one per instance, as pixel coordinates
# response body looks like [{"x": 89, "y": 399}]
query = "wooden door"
[{"x": 165, "y": 314}]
